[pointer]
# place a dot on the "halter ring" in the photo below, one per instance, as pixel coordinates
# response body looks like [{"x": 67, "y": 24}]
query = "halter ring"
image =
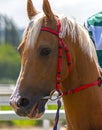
[{"x": 57, "y": 96}]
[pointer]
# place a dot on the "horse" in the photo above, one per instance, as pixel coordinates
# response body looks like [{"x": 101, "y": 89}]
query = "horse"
[{"x": 57, "y": 54}]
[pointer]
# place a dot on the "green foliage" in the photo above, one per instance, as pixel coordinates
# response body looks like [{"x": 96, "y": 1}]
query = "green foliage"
[{"x": 9, "y": 62}]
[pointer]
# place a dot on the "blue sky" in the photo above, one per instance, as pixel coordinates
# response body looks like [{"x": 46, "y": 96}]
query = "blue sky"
[{"x": 78, "y": 9}]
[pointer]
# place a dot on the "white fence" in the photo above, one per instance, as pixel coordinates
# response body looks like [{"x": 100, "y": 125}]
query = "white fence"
[{"x": 5, "y": 92}]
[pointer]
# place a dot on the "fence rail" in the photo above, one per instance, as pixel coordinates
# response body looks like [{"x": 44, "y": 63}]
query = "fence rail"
[{"x": 5, "y": 92}]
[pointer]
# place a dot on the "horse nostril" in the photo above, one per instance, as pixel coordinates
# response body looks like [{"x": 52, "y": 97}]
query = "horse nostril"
[{"x": 22, "y": 102}]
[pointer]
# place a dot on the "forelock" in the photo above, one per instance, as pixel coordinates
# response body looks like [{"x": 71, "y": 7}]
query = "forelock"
[{"x": 34, "y": 29}]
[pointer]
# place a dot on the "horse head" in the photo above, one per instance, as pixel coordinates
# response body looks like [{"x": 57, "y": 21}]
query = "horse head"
[
  {"x": 39, "y": 53},
  {"x": 57, "y": 53}
]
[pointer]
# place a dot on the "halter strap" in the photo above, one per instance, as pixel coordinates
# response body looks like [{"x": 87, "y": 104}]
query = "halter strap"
[
  {"x": 59, "y": 66},
  {"x": 83, "y": 87}
]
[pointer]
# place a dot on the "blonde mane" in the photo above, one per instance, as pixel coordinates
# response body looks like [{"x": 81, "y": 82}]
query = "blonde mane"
[
  {"x": 68, "y": 27},
  {"x": 76, "y": 31}
]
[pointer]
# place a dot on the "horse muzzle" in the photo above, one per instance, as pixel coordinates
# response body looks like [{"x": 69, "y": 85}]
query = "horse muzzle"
[{"x": 29, "y": 107}]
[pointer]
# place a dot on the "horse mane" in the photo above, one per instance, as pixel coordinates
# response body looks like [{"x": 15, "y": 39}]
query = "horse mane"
[
  {"x": 73, "y": 29},
  {"x": 69, "y": 27}
]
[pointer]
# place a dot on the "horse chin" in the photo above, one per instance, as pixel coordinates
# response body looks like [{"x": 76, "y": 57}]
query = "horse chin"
[
  {"x": 35, "y": 115},
  {"x": 36, "y": 112}
]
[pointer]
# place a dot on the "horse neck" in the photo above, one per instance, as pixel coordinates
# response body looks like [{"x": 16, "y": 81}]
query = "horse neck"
[{"x": 82, "y": 106}]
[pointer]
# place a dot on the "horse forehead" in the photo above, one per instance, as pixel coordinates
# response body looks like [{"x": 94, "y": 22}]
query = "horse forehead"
[
  {"x": 33, "y": 34},
  {"x": 35, "y": 28}
]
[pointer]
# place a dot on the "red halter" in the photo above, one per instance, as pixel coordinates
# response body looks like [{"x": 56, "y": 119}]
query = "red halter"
[
  {"x": 59, "y": 68},
  {"x": 60, "y": 47}
]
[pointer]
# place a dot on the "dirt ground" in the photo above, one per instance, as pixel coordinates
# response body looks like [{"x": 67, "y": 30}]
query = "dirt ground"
[{"x": 27, "y": 128}]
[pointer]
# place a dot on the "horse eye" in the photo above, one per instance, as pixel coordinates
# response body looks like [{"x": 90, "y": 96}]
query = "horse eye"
[{"x": 45, "y": 51}]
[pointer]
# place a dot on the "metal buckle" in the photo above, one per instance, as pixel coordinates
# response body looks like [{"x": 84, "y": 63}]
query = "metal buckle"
[
  {"x": 58, "y": 95},
  {"x": 52, "y": 96}
]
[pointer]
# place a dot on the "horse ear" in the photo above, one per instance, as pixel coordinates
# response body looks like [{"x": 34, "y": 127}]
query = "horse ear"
[
  {"x": 30, "y": 9},
  {"x": 47, "y": 10}
]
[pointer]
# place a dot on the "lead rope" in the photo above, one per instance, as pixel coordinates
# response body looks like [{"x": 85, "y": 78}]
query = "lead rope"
[{"x": 57, "y": 115}]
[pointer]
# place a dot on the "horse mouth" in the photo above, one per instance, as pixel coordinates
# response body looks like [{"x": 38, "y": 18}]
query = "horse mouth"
[
  {"x": 36, "y": 112},
  {"x": 35, "y": 109}
]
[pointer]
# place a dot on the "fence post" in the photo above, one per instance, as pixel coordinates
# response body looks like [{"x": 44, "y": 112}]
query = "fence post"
[
  {"x": 46, "y": 124},
  {"x": 59, "y": 125}
]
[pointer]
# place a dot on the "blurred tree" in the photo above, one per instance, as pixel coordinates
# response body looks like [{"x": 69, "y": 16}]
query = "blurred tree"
[{"x": 9, "y": 31}]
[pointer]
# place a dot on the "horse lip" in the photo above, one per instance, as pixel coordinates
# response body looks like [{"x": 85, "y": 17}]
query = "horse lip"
[{"x": 33, "y": 111}]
